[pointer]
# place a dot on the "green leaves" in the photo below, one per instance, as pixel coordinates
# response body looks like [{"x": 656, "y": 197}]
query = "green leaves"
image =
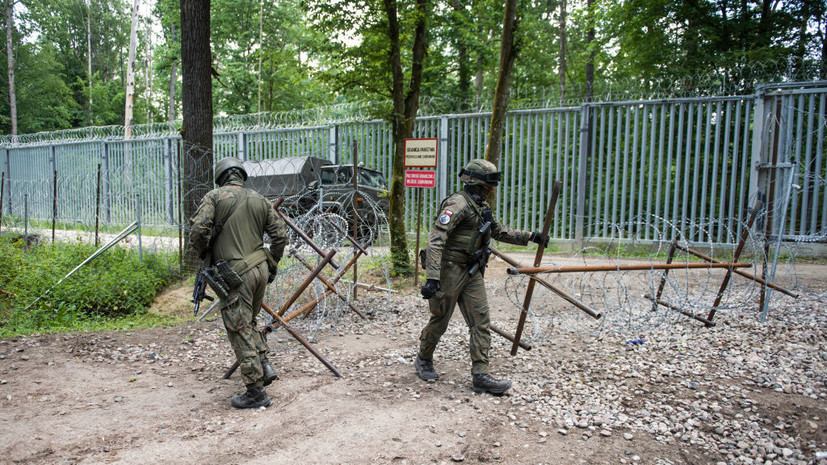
[{"x": 114, "y": 284}]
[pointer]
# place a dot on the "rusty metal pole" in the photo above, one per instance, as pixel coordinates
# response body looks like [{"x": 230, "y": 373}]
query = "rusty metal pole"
[
  {"x": 279, "y": 321},
  {"x": 565, "y": 295},
  {"x": 530, "y": 270},
  {"x": 313, "y": 245},
  {"x": 355, "y": 200},
  {"x": 306, "y": 344},
  {"x": 761, "y": 281},
  {"x": 703, "y": 320},
  {"x": 538, "y": 258},
  {"x": 331, "y": 288},
  {"x": 313, "y": 274},
  {"x": 672, "y": 247},
  {"x": 735, "y": 256}
]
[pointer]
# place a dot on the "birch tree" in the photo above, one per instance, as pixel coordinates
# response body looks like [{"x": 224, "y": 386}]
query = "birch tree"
[{"x": 10, "y": 56}]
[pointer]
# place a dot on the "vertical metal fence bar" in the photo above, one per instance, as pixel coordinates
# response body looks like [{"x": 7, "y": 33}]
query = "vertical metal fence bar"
[
  {"x": 597, "y": 197},
  {"x": 822, "y": 121},
  {"x": 580, "y": 201},
  {"x": 610, "y": 177},
  {"x": 626, "y": 168},
  {"x": 660, "y": 178},
  {"x": 723, "y": 226},
  {"x": 635, "y": 172},
  {"x": 545, "y": 178},
  {"x": 713, "y": 217}
]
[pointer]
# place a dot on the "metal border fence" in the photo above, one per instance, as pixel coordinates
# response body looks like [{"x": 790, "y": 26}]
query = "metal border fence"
[{"x": 645, "y": 168}]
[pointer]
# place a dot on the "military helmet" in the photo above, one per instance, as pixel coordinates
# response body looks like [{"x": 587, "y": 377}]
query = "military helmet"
[
  {"x": 224, "y": 166},
  {"x": 480, "y": 172}
]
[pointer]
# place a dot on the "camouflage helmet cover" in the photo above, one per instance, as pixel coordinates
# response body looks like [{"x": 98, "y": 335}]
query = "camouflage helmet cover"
[
  {"x": 480, "y": 172},
  {"x": 225, "y": 165}
]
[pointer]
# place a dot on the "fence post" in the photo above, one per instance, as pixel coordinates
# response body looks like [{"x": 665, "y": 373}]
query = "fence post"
[
  {"x": 582, "y": 172},
  {"x": 333, "y": 141},
  {"x": 242, "y": 146},
  {"x": 442, "y": 159},
  {"x": 8, "y": 179},
  {"x": 53, "y": 166},
  {"x": 138, "y": 220},
  {"x": 757, "y": 176},
  {"x": 168, "y": 186},
  {"x": 107, "y": 198}
]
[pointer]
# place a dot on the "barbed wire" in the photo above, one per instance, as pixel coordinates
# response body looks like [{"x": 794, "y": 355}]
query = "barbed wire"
[
  {"x": 625, "y": 298},
  {"x": 738, "y": 79}
]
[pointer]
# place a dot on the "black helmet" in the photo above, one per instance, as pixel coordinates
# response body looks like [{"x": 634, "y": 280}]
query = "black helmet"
[
  {"x": 225, "y": 166},
  {"x": 478, "y": 172}
]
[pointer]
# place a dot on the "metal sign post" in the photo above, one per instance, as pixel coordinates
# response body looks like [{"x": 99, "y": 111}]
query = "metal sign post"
[{"x": 420, "y": 153}]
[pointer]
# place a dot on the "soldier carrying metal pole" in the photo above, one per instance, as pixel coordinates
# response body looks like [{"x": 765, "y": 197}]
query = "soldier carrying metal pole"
[
  {"x": 229, "y": 227},
  {"x": 455, "y": 260}
]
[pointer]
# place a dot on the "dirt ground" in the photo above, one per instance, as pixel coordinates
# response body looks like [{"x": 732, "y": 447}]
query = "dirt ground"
[{"x": 158, "y": 396}]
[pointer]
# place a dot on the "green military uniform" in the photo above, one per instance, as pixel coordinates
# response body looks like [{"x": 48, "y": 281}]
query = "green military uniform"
[
  {"x": 453, "y": 239},
  {"x": 240, "y": 243}
]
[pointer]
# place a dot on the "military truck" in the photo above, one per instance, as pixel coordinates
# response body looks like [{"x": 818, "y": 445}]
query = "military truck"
[{"x": 312, "y": 185}]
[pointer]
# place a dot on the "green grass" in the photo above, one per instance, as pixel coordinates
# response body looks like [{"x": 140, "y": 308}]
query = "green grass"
[{"x": 112, "y": 291}]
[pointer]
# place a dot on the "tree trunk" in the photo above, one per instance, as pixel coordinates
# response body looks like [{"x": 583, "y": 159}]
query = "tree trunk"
[
  {"x": 130, "y": 72},
  {"x": 10, "y": 56},
  {"x": 196, "y": 97},
  {"x": 130, "y": 97},
  {"x": 405, "y": 108},
  {"x": 479, "y": 80},
  {"x": 562, "y": 52},
  {"x": 462, "y": 59},
  {"x": 823, "y": 70},
  {"x": 508, "y": 53},
  {"x": 173, "y": 78}
]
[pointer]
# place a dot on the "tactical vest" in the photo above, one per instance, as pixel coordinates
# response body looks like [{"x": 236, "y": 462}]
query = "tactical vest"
[{"x": 465, "y": 238}]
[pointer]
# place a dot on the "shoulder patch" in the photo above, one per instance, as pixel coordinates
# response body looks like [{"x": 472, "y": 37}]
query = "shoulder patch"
[{"x": 445, "y": 217}]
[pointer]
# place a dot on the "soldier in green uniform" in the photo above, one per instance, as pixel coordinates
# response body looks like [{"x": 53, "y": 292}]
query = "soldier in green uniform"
[
  {"x": 242, "y": 216},
  {"x": 455, "y": 263}
]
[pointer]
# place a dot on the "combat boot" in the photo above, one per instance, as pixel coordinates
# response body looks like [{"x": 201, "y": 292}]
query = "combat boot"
[
  {"x": 483, "y": 382},
  {"x": 425, "y": 369},
  {"x": 269, "y": 373},
  {"x": 253, "y": 398}
]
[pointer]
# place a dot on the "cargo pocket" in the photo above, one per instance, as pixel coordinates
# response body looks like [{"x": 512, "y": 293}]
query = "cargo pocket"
[{"x": 233, "y": 318}]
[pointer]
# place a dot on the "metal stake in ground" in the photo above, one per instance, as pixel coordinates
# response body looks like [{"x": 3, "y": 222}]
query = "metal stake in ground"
[
  {"x": 277, "y": 320},
  {"x": 300, "y": 232},
  {"x": 538, "y": 258},
  {"x": 735, "y": 256},
  {"x": 290, "y": 301},
  {"x": 331, "y": 285}
]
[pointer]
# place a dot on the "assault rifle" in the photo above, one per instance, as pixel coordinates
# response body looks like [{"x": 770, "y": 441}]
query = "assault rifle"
[
  {"x": 479, "y": 259},
  {"x": 199, "y": 291}
]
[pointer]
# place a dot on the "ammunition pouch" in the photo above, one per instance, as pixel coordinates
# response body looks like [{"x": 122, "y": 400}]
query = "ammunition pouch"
[{"x": 222, "y": 279}]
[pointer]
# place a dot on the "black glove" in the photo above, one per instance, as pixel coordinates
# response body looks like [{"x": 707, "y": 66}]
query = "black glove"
[
  {"x": 430, "y": 288},
  {"x": 538, "y": 238},
  {"x": 272, "y": 275}
]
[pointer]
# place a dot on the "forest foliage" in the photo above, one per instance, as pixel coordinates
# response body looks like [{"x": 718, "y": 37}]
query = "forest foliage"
[{"x": 69, "y": 55}]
